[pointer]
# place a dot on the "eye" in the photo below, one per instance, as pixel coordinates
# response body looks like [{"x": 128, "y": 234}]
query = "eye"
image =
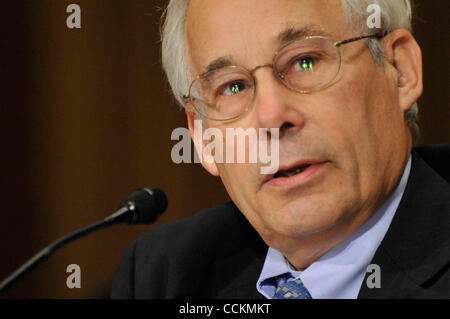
[
  {"x": 233, "y": 88},
  {"x": 305, "y": 63}
]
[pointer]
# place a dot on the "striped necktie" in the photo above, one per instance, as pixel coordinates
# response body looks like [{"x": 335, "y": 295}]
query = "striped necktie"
[{"x": 290, "y": 289}]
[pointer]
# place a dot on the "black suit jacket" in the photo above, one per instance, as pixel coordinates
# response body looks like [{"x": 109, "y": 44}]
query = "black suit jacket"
[{"x": 217, "y": 254}]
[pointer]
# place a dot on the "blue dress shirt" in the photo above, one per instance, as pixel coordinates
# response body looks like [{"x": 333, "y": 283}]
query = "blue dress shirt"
[{"x": 339, "y": 273}]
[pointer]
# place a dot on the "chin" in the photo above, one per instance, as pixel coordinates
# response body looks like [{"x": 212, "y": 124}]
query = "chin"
[
  {"x": 305, "y": 220},
  {"x": 302, "y": 230}
]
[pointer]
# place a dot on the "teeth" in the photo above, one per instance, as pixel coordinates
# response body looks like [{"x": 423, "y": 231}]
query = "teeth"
[{"x": 293, "y": 171}]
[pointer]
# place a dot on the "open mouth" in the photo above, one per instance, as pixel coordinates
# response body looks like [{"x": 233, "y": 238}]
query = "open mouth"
[
  {"x": 292, "y": 171},
  {"x": 295, "y": 175}
]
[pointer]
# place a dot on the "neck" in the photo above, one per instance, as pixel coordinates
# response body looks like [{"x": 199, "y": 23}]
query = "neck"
[{"x": 302, "y": 252}]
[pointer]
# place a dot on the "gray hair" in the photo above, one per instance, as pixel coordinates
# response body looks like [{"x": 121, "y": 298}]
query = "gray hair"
[{"x": 395, "y": 14}]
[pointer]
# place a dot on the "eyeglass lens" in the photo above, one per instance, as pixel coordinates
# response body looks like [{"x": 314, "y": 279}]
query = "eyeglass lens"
[{"x": 303, "y": 66}]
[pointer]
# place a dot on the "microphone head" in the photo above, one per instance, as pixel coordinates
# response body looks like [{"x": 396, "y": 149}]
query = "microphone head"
[{"x": 146, "y": 205}]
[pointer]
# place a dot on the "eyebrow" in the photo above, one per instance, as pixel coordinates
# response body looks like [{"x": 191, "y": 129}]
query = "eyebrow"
[
  {"x": 219, "y": 63},
  {"x": 288, "y": 35}
]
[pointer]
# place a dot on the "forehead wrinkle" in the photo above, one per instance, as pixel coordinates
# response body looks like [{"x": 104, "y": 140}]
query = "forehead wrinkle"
[{"x": 292, "y": 33}]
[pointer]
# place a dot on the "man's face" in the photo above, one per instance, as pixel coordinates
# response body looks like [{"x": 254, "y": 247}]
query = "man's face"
[{"x": 353, "y": 132}]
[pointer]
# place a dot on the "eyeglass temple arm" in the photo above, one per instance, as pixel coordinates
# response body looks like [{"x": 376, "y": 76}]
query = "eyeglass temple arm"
[{"x": 379, "y": 36}]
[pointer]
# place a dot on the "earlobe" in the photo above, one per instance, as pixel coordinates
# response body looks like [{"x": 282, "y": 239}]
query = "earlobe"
[
  {"x": 196, "y": 130},
  {"x": 406, "y": 57}
]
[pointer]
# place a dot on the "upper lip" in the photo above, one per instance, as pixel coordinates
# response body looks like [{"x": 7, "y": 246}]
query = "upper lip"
[{"x": 292, "y": 165}]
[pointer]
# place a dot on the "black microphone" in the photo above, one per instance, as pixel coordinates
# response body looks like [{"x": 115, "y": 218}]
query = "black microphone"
[{"x": 143, "y": 206}]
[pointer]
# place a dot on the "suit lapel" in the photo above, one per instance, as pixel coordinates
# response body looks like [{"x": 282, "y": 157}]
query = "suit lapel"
[
  {"x": 415, "y": 252},
  {"x": 237, "y": 269}
]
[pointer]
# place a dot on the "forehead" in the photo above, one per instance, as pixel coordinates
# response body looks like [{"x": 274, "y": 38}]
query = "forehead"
[{"x": 248, "y": 32}]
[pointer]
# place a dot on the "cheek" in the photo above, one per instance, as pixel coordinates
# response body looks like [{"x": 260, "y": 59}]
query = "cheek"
[
  {"x": 354, "y": 110},
  {"x": 344, "y": 118},
  {"x": 237, "y": 180},
  {"x": 365, "y": 124}
]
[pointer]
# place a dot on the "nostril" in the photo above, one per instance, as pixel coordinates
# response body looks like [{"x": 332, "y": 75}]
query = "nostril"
[{"x": 285, "y": 126}]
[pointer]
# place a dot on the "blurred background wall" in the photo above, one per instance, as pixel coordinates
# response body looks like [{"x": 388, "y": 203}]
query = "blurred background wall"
[{"x": 87, "y": 117}]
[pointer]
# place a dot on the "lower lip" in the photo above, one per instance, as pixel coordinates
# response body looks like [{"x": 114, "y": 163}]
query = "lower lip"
[{"x": 298, "y": 179}]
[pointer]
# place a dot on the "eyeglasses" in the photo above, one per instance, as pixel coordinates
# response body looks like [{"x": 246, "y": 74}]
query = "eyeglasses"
[{"x": 303, "y": 66}]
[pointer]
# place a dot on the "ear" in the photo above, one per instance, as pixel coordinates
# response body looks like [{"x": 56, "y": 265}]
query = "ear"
[
  {"x": 196, "y": 130},
  {"x": 405, "y": 56}
]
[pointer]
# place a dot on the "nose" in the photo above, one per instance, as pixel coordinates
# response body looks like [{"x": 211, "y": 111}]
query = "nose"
[{"x": 275, "y": 105}]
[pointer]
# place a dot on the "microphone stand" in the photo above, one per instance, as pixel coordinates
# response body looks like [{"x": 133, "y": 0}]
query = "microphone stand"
[{"x": 118, "y": 217}]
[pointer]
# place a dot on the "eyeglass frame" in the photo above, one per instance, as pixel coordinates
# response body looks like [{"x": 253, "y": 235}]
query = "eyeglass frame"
[{"x": 188, "y": 98}]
